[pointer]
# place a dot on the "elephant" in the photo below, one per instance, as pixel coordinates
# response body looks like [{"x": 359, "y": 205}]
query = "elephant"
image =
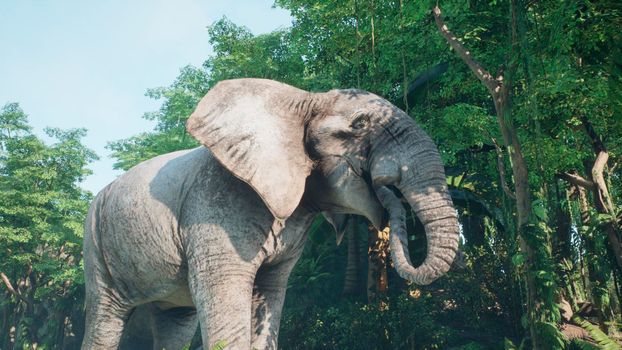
[{"x": 208, "y": 236}]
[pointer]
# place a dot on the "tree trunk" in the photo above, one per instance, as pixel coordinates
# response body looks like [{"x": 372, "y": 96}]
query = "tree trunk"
[
  {"x": 598, "y": 282},
  {"x": 602, "y": 199},
  {"x": 562, "y": 246},
  {"x": 600, "y": 192},
  {"x": 378, "y": 251},
  {"x": 499, "y": 88}
]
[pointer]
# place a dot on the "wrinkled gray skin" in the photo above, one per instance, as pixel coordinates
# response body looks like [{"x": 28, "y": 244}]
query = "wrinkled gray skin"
[{"x": 211, "y": 234}]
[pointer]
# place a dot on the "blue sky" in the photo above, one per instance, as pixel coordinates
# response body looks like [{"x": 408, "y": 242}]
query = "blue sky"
[{"x": 77, "y": 63}]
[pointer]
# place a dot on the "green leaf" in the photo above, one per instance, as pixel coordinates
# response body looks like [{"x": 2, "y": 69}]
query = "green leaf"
[
  {"x": 518, "y": 259},
  {"x": 219, "y": 345}
]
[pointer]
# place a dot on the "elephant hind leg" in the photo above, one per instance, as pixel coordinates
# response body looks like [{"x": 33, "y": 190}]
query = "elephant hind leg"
[
  {"x": 173, "y": 328},
  {"x": 105, "y": 319}
]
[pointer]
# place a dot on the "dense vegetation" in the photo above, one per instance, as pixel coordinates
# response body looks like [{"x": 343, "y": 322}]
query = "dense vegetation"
[
  {"x": 523, "y": 99},
  {"x": 42, "y": 211}
]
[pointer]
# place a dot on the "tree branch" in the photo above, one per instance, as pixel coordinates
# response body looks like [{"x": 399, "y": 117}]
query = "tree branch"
[
  {"x": 482, "y": 74},
  {"x": 9, "y": 286},
  {"x": 576, "y": 180},
  {"x": 597, "y": 176},
  {"x": 602, "y": 157}
]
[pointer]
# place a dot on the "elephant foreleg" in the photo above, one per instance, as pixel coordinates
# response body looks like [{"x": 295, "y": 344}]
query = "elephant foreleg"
[
  {"x": 268, "y": 296},
  {"x": 223, "y": 303}
]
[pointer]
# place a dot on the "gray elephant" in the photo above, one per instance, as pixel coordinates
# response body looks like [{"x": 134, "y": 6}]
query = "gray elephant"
[{"x": 211, "y": 234}]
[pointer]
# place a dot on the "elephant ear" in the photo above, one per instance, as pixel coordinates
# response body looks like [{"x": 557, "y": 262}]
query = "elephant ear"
[{"x": 254, "y": 128}]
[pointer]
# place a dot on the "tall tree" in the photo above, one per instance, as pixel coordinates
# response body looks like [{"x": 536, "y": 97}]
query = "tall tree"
[
  {"x": 42, "y": 209},
  {"x": 540, "y": 298}
]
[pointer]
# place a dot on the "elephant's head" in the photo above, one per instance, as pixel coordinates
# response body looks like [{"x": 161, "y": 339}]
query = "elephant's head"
[{"x": 340, "y": 149}]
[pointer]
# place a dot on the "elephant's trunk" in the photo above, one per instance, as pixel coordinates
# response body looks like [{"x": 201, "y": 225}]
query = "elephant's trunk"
[
  {"x": 441, "y": 234},
  {"x": 422, "y": 182}
]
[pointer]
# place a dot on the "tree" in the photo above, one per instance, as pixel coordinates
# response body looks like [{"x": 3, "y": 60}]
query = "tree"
[
  {"x": 540, "y": 299},
  {"x": 42, "y": 209}
]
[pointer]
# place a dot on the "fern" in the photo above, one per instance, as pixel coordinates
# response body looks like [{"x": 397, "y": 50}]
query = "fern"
[
  {"x": 551, "y": 336},
  {"x": 603, "y": 341},
  {"x": 509, "y": 345},
  {"x": 583, "y": 345}
]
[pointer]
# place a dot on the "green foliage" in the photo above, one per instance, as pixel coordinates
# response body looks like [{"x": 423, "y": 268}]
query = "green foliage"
[
  {"x": 219, "y": 345},
  {"x": 601, "y": 339},
  {"x": 239, "y": 54},
  {"x": 542, "y": 268},
  {"x": 318, "y": 316},
  {"x": 42, "y": 209},
  {"x": 423, "y": 321},
  {"x": 463, "y": 126},
  {"x": 583, "y": 345},
  {"x": 552, "y": 338},
  {"x": 509, "y": 345}
]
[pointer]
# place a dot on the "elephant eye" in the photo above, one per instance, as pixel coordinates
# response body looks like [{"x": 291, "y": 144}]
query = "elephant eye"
[{"x": 360, "y": 122}]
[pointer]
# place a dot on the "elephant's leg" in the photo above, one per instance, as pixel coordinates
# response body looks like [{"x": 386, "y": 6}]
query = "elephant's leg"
[
  {"x": 268, "y": 297},
  {"x": 173, "y": 328},
  {"x": 137, "y": 331},
  {"x": 222, "y": 296},
  {"x": 105, "y": 318}
]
